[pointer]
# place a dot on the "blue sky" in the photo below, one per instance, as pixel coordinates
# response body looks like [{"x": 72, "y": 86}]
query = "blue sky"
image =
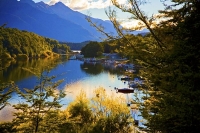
[{"x": 96, "y": 8}]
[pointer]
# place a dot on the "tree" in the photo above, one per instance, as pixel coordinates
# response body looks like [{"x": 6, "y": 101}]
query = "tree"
[
  {"x": 79, "y": 115},
  {"x": 6, "y": 90},
  {"x": 109, "y": 46},
  {"x": 38, "y": 111},
  {"x": 92, "y": 49},
  {"x": 180, "y": 89},
  {"x": 16, "y": 42},
  {"x": 111, "y": 113},
  {"x": 169, "y": 58},
  {"x": 98, "y": 114}
]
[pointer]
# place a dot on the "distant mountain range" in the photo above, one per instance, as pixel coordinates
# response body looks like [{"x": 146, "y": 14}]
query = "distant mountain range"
[{"x": 53, "y": 21}]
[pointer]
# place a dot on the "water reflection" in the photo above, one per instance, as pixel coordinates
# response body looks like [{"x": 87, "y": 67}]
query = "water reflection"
[
  {"x": 15, "y": 72},
  {"x": 89, "y": 84},
  {"x": 77, "y": 76},
  {"x": 94, "y": 68}
]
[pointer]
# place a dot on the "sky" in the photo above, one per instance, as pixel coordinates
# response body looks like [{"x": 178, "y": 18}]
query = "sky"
[{"x": 96, "y": 8}]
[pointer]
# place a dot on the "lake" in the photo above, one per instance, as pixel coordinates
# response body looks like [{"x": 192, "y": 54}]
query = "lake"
[{"x": 77, "y": 76}]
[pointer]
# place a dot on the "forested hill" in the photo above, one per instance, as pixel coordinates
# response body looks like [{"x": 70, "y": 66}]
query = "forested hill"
[
  {"x": 76, "y": 46},
  {"x": 15, "y": 44}
]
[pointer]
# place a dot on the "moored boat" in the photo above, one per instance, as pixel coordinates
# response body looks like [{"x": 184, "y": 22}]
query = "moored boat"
[
  {"x": 126, "y": 78},
  {"x": 125, "y": 90}
]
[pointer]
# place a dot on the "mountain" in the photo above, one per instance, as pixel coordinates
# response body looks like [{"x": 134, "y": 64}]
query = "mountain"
[
  {"x": 56, "y": 21},
  {"x": 76, "y": 17},
  {"x": 141, "y": 32}
]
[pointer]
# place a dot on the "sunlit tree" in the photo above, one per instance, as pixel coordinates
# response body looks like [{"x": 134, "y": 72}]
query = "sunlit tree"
[
  {"x": 38, "y": 112},
  {"x": 101, "y": 113},
  {"x": 78, "y": 115},
  {"x": 111, "y": 113},
  {"x": 16, "y": 42}
]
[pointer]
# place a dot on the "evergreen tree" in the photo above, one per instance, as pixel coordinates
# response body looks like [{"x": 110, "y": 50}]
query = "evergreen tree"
[
  {"x": 38, "y": 111},
  {"x": 6, "y": 90}
]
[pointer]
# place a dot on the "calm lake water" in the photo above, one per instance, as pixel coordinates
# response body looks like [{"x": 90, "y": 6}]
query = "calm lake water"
[{"x": 76, "y": 74}]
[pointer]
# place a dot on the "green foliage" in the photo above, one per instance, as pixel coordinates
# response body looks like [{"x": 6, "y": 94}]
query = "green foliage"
[
  {"x": 95, "y": 49},
  {"x": 78, "y": 114},
  {"x": 111, "y": 113},
  {"x": 61, "y": 48},
  {"x": 173, "y": 98},
  {"x": 46, "y": 54},
  {"x": 92, "y": 49},
  {"x": 16, "y": 42},
  {"x": 169, "y": 60},
  {"x": 5, "y": 56},
  {"x": 40, "y": 108},
  {"x": 101, "y": 113},
  {"x": 7, "y": 127},
  {"x": 22, "y": 57},
  {"x": 6, "y": 90},
  {"x": 109, "y": 46},
  {"x": 52, "y": 122}
]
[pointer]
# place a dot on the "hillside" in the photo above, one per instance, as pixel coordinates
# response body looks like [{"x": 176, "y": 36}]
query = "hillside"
[
  {"x": 57, "y": 21},
  {"x": 15, "y": 43}
]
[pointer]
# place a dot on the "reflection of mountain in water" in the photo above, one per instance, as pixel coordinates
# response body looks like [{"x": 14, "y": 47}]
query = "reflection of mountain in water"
[{"x": 94, "y": 68}]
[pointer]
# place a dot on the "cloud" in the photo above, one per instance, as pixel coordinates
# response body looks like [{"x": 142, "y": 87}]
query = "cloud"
[
  {"x": 84, "y": 4},
  {"x": 130, "y": 24},
  {"x": 52, "y": 2},
  {"x": 79, "y": 4}
]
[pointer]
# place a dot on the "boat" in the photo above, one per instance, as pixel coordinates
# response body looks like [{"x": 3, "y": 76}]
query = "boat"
[
  {"x": 126, "y": 78},
  {"x": 125, "y": 90}
]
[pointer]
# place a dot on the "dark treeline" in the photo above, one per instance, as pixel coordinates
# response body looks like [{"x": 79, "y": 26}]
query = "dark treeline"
[{"x": 95, "y": 49}]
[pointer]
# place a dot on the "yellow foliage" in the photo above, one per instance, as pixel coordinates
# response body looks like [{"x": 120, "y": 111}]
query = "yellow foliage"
[
  {"x": 5, "y": 56},
  {"x": 81, "y": 98},
  {"x": 22, "y": 57},
  {"x": 101, "y": 103}
]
